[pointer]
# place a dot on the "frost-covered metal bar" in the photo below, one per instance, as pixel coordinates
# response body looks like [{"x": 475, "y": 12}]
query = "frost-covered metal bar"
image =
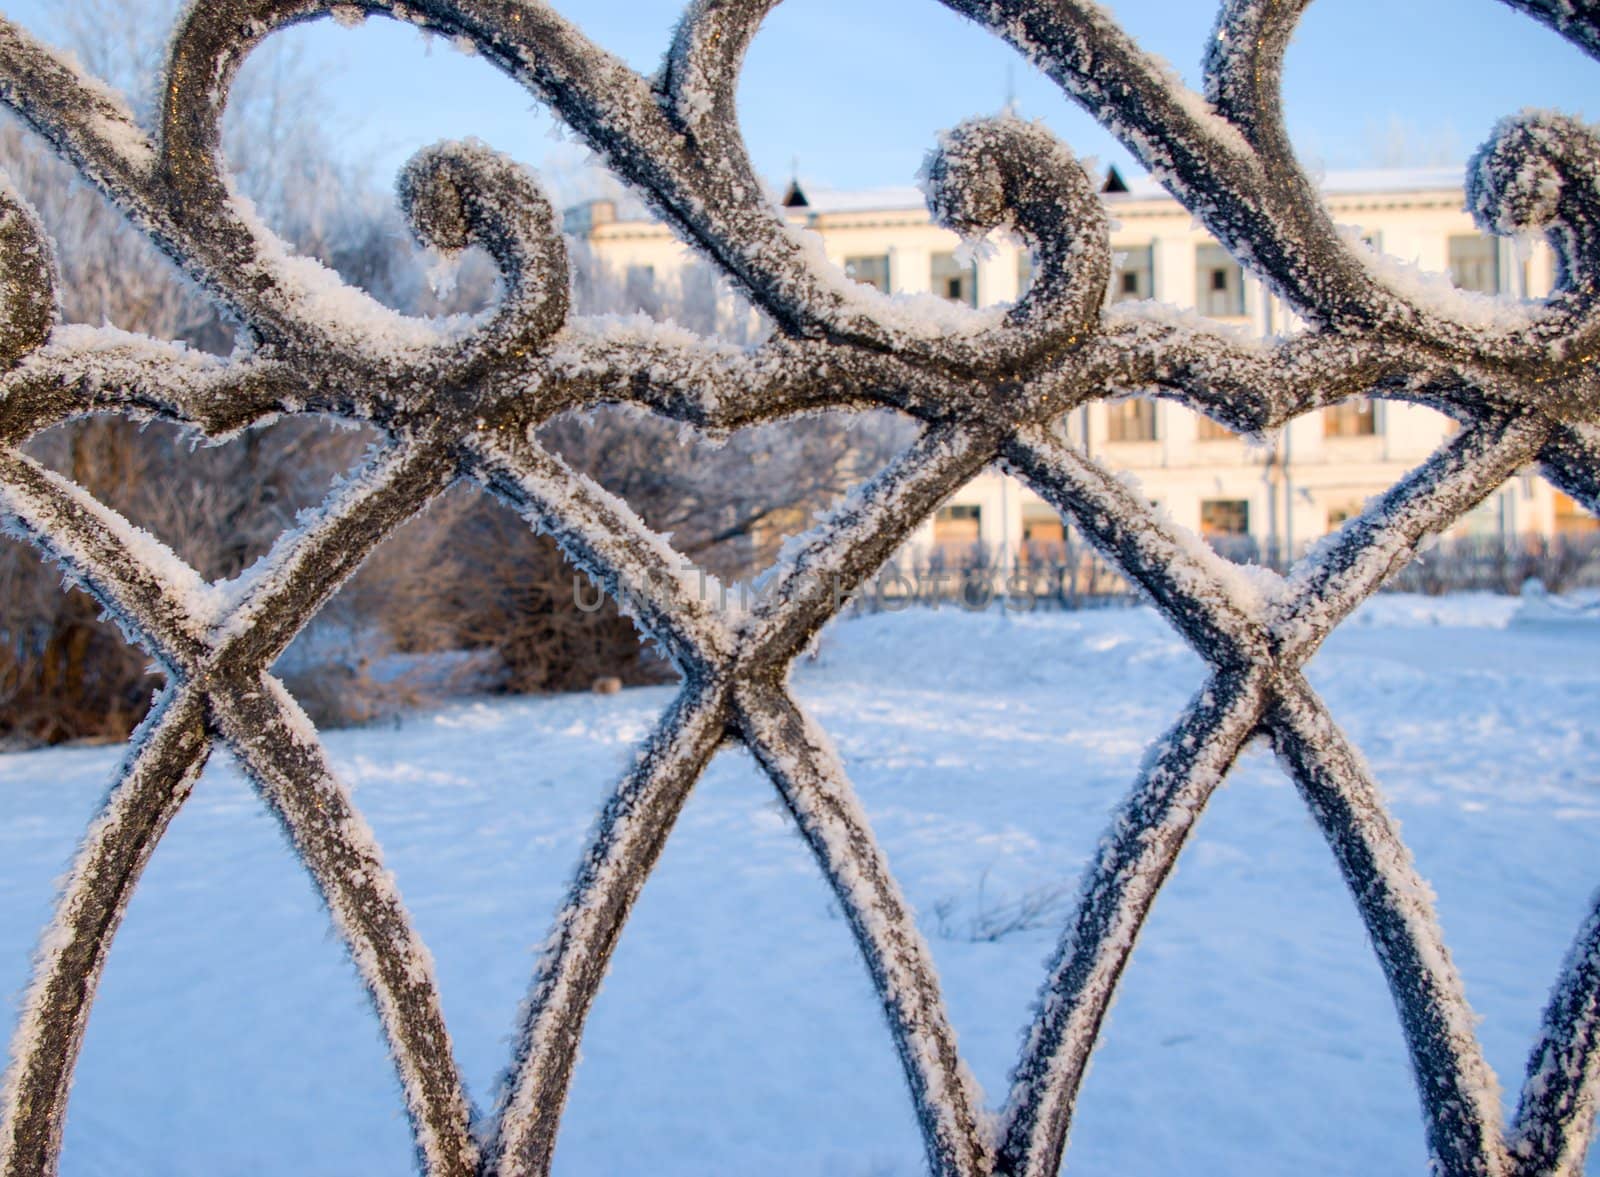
[
  {"x": 109, "y": 557},
  {"x": 1341, "y": 571},
  {"x": 464, "y": 398},
  {"x": 83, "y": 371},
  {"x": 163, "y": 762},
  {"x": 1134, "y": 859},
  {"x": 671, "y": 602},
  {"x": 629, "y": 838},
  {"x": 807, "y": 772},
  {"x": 276, "y": 744},
  {"x": 1205, "y": 596},
  {"x": 822, "y": 570},
  {"x": 327, "y": 548},
  {"x": 1555, "y": 1120},
  {"x": 1571, "y": 461},
  {"x": 1460, "y": 1097},
  {"x": 218, "y": 662},
  {"x": 1253, "y": 386},
  {"x": 1577, "y": 20}
]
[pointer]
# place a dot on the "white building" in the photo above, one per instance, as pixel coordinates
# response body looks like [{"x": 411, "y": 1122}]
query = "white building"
[{"x": 1273, "y": 499}]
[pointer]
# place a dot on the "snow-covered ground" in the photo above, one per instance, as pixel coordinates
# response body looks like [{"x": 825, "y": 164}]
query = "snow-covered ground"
[{"x": 737, "y": 1033}]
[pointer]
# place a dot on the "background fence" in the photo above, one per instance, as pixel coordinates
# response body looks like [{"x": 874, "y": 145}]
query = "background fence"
[{"x": 1074, "y": 575}]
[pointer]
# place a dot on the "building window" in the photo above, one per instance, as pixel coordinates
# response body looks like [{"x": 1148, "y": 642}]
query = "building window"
[
  {"x": 1338, "y": 515},
  {"x": 1135, "y": 277},
  {"x": 1224, "y": 517},
  {"x": 1486, "y": 519},
  {"x": 869, "y": 271},
  {"x": 1044, "y": 536},
  {"x": 1131, "y": 420},
  {"x": 1219, "y": 283},
  {"x": 639, "y": 285},
  {"x": 1351, "y": 419},
  {"x": 954, "y": 281},
  {"x": 1208, "y": 430},
  {"x": 1570, "y": 518},
  {"x": 1475, "y": 263},
  {"x": 956, "y": 528}
]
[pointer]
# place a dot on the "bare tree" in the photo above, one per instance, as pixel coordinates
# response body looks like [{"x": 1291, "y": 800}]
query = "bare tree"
[
  {"x": 65, "y": 673},
  {"x": 465, "y": 576}
]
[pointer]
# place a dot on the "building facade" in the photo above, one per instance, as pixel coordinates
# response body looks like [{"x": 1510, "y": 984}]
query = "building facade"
[{"x": 1267, "y": 499}]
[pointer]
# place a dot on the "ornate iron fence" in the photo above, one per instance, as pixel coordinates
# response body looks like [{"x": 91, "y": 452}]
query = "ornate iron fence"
[{"x": 461, "y": 402}]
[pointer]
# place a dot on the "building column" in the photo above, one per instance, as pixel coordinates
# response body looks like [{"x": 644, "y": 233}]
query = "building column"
[
  {"x": 997, "y": 276},
  {"x": 908, "y": 270},
  {"x": 1172, "y": 265}
]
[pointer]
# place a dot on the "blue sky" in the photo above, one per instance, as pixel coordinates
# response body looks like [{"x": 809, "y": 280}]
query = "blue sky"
[{"x": 856, "y": 90}]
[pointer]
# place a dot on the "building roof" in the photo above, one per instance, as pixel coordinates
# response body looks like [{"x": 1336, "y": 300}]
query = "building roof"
[
  {"x": 795, "y": 197},
  {"x": 814, "y": 201},
  {"x": 1394, "y": 180},
  {"x": 861, "y": 200},
  {"x": 1375, "y": 181}
]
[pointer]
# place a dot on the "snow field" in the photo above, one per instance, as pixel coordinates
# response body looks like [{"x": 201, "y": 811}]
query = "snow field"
[{"x": 738, "y": 1032}]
